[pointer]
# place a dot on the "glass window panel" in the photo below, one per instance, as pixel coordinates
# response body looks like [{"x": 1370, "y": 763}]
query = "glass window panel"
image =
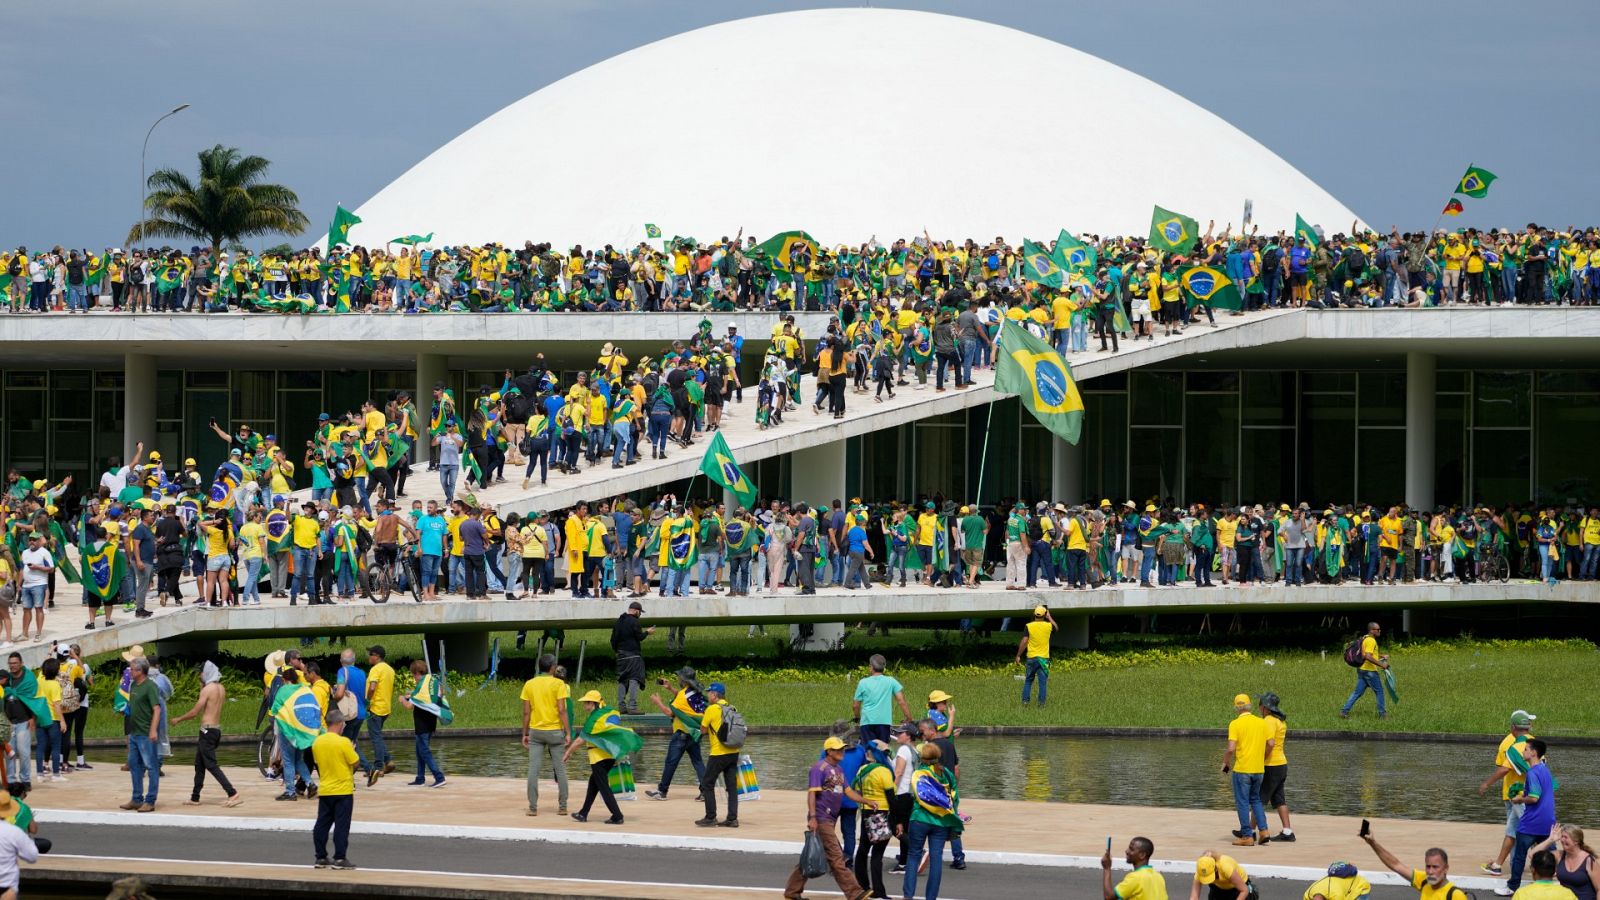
[
  {"x": 1327, "y": 446},
  {"x": 1450, "y": 381},
  {"x": 346, "y": 391},
  {"x": 1580, "y": 382},
  {"x": 1213, "y": 381},
  {"x": 199, "y": 441},
  {"x": 1112, "y": 381},
  {"x": 852, "y": 466},
  {"x": 1328, "y": 382},
  {"x": 206, "y": 379},
  {"x": 1104, "y": 445},
  {"x": 1211, "y": 456},
  {"x": 71, "y": 396},
  {"x": 1269, "y": 398},
  {"x": 1383, "y": 398},
  {"x": 941, "y": 461},
  {"x": 1154, "y": 464},
  {"x": 169, "y": 396},
  {"x": 297, "y": 420},
  {"x": 386, "y": 382},
  {"x": 1501, "y": 467},
  {"x": 1266, "y": 465},
  {"x": 1381, "y": 465},
  {"x": 1450, "y": 449},
  {"x": 1567, "y": 422},
  {"x": 1157, "y": 398},
  {"x": 108, "y": 427},
  {"x": 114, "y": 380},
  {"x": 1000, "y": 474},
  {"x": 70, "y": 449},
  {"x": 880, "y": 470},
  {"x": 1501, "y": 400},
  {"x": 25, "y": 434},
  {"x": 169, "y": 440},
  {"x": 1034, "y": 480},
  {"x": 253, "y": 396},
  {"x": 25, "y": 379},
  {"x": 307, "y": 379}
]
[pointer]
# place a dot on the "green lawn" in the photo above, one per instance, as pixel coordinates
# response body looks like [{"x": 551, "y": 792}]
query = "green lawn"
[{"x": 1460, "y": 685}]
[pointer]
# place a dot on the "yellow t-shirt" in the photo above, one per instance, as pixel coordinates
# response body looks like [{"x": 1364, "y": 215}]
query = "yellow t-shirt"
[
  {"x": 1419, "y": 880},
  {"x": 681, "y": 703},
  {"x": 1076, "y": 539},
  {"x": 1277, "y": 731},
  {"x": 323, "y": 692},
  {"x": 279, "y": 483},
  {"x": 534, "y": 542},
  {"x": 1039, "y": 639},
  {"x": 336, "y": 761},
  {"x": 1369, "y": 647},
  {"x": 1226, "y": 529},
  {"x": 250, "y": 540},
  {"x": 1143, "y": 883},
  {"x": 1248, "y": 735},
  {"x": 877, "y": 786},
  {"x": 216, "y": 541},
  {"x": 376, "y": 423},
  {"x": 1453, "y": 255},
  {"x": 50, "y": 692},
  {"x": 927, "y": 524},
  {"x": 454, "y": 524},
  {"x": 1510, "y": 779},
  {"x": 1389, "y": 539},
  {"x": 1353, "y": 888},
  {"x": 710, "y": 722},
  {"x": 1230, "y": 874},
  {"x": 545, "y": 695},
  {"x": 306, "y": 532},
  {"x": 1061, "y": 312},
  {"x": 1538, "y": 890},
  {"x": 380, "y": 689}
]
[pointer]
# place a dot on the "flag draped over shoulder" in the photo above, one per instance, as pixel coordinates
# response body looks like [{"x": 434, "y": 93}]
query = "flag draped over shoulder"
[
  {"x": 937, "y": 797},
  {"x": 1040, "y": 267},
  {"x": 1032, "y": 370},
  {"x": 1172, "y": 232},
  {"x": 96, "y": 268},
  {"x": 719, "y": 465},
  {"x": 224, "y": 483},
  {"x": 680, "y": 545},
  {"x": 1211, "y": 287},
  {"x": 299, "y": 717},
  {"x": 339, "y": 228},
  {"x": 64, "y": 564},
  {"x": 103, "y": 565},
  {"x": 27, "y": 690},
  {"x": 741, "y": 536},
  {"x": 1304, "y": 231},
  {"x": 604, "y": 729},
  {"x": 779, "y": 246},
  {"x": 430, "y": 695},
  {"x": 278, "y": 536}
]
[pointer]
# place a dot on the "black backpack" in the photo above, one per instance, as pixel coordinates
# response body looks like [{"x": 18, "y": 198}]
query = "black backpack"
[
  {"x": 14, "y": 268},
  {"x": 1353, "y": 656},
  {"x": 1269, "y": 260},
  {"x": 1355, "y": 262}
]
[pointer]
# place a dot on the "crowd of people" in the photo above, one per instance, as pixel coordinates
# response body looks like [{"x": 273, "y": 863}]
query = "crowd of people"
[{"x": 1533, "y": 265}]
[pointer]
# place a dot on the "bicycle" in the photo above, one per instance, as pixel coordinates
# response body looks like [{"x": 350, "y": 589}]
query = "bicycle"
[
  {"x": 381, "y": 579},
  {"x": 267, "y": 761},
  {"x": 1496, "y": 568}
]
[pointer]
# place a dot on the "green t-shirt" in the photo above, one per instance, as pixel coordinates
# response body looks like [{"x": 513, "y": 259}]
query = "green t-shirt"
[
  {"x": 143, "y": 699},
  {"x": 1017, "y": 528},
  {"x": 972, "y": 532}
]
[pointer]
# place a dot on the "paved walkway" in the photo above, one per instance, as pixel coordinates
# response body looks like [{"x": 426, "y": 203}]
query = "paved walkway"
[{"x": 1015, "y": 832}]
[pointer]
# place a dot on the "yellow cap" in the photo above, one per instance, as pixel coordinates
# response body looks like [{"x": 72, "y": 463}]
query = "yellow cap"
[
  {"x": 1105, "y": 502},
  {"x": 1205, "y": 870},
  {"x": 494, "y": 396},
  {"x": 831, "y": 743},
  {"x": 592, "y": 697},
  {"x": 1150, "y": 507},
  {"x": 155, "y": 455},
  {"x": 1283, "y": 507},
  {"x": 38, "y": 484},
  {"x": 965, "y": 510},
  {"x": 189, "y": 461},
  {"x": 1241, "y": 699},
  {"x": 1039, "y": 612},
  {"x": 938, "y": 697}
]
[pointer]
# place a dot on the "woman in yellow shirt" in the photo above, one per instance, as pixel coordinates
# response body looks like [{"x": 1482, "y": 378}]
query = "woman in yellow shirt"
[
  {"x": 600, "y": 761},
  {"x": 875, "y": 783}
]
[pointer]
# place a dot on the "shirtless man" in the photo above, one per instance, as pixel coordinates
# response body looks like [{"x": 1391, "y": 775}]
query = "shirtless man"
[{"x": 208, "y": 707}]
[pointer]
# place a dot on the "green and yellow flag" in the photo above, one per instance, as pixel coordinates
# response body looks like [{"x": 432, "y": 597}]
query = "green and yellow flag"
[
  {"x": 1034, "y": 371},
  {"x": 1303, "y": 230},
  {"x": 1172, "y": 232},
  {"x": 604, "y": 729},
  {"x": 651, "y": 231},
  {"x": 1476, "y": 182},
  {"x": 96, "y": 268},
  {"x": 411, "y": 240},
  {"x": 719, "y": 465},
  {"x": 1211, "y": 287},
  {"x": 1040, "y": 267},
  {"x": 1073, "y": 254},
  {"x": 339, "y": 229},
  {"x": 779, "y": 246}
]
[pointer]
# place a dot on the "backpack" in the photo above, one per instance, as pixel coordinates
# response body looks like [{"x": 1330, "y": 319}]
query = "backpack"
[
  {"x": 1355, "y": 262},
  {"x": 136, "y": 274},
  {"x": 1353, "y": 656},
  {"x": 1269, "y": 260},
  {"x": 14, "y": 268},
  {"x": 70, "y": 698},
  {"x": 733, "y": 730}
]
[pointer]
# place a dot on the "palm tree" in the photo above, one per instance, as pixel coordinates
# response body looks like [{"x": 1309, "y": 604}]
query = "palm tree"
[{"x": 229, "y": 203}]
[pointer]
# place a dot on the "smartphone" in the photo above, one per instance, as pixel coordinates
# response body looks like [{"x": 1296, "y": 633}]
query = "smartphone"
[
  {"x": 1366, "y": 828},
  {"x": 1108, "y": 843}
]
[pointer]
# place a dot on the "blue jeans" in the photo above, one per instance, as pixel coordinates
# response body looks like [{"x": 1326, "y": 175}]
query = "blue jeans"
[
  {"x": 1591, "y": 562},
  {"x": 1040, "y": 563},
  {"x": 447, "y": 481},
  {"x": 836, "y": 567},
  {"x": 1036, "y": 669},
  {"x": 710, "y": 564},
  {"x": 295, "y": 766},
  {"x": 739, "y": 574},
  {"x": 144, "y": 768},
  {"x": 933, "y": 836},
  {"x": 1247, "y": 801},
  {"x": 674, "y": 582},
  {"x": 659, "y": 424},
  {"x": 252, "y": 580},
  {"x": 305, "y": 573},
  {"x": 676, "y": 748},
  {"x": 1519, "y": 856},
  {"x": 1547, "y": 564},
  {"x": 425, "y": 761},
  {"x": 48, "y": 750},
  {"x": 458, "y": 573},
  {"x": 1294, "y": 568},
  {"x": 429, "y": 576},
  {"x": 75, "y": 297},
  {"x": 1080, "y": 334},
  {"x": 362, "y": 498},
  {"x": 623, "y": 432},
  {"x": 969, "y": 355},
  {"x": 380, "y": 749},
  {"x": 346, "y": 580},
  {"x": 1147, "y": 563},
  {"x": 848, "y": 826},
  {"x": 1365, "y": 680}
]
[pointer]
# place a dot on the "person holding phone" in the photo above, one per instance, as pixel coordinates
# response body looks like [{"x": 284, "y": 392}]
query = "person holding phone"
[
  {"x": 1143, "y": 883},
  {"x": 1432, "y": 880}
]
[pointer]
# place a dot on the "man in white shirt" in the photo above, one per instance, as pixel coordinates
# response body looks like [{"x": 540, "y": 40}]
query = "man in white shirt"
[
  {"x": 14, "y": 845},
  {"x": 37, "y": 564},
  {"x": 116, "y": 474}
]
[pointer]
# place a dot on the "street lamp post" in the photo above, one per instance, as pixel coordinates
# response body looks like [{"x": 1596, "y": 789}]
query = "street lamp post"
[{"x": 143, "y": 188}]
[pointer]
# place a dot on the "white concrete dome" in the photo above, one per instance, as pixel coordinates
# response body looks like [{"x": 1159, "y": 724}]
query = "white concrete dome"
[{"x": 846, "y": 123}]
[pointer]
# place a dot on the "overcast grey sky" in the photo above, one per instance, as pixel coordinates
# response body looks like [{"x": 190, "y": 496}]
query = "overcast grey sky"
[{"x": 1382, "y": 102}]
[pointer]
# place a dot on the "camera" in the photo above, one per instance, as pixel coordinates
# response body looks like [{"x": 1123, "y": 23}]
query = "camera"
[{"x": 662, "y": 682}]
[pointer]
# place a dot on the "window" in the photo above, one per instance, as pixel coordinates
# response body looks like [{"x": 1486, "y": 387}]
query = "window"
[
  {"x": 1269, "y": 398},
  {"x": 1501, "y": 399},
  {"x": 1327, "y": 445},
  {"x": 1157, "y": 398},
  {"x": 1104, "y": 445},
  {"x": 1569, "y": 429},
  {"x": 1211, "y": 455},
  {"x": 1382, "y": 398}
]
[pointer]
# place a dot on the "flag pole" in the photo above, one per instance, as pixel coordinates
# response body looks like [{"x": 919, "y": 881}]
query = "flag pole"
[{"x": 977, "y": 497}]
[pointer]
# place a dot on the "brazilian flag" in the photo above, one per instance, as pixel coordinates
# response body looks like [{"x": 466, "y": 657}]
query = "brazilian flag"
[
  {"x": 299, "y": 717},
  {"x": 921, "y": 345},
  {"x": 339, "y": 228},
  {"x": 1073, "y": 254},
  {"x": 104, "y": 567},
  {"x": 1476, "y": 182},
  {"x": 779, "y": 246},
  {"x": 1172, "y": 232},
  {"x": 411, "y": 240},
  {"x": 1040, "y": 267},
  {"x": 277, "y": 525},
  {"x": 1211, "y": 287},
  {"x": 604, "y": 729},
  {"x": 741, "y": 536},
  {"x": 680, "y": 546},
  {"x": 937, "y": 796},
  {"x": 224, "y": 483},
  {"x": 719, "y": 465},
  {"x": 651, "y": 231},
  {"x": 1034, "y": 371},
  {"x": 1304, "y": 231},
  {"x": 96, "y": 268}
]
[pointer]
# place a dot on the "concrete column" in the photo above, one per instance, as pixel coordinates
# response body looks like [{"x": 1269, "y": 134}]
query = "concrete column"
[
  {"x": 1066, "y": 472},
  {"x": 730, "y": 500},
  {"x": 1072, "y": 633},
  {"x": 817, "y": 478},
  {"x": 1421, "y": 369},
  {"x": 138, "y": 402},
  {"x": 466, "y": 652},
  {"x": 430, "y": 371}
]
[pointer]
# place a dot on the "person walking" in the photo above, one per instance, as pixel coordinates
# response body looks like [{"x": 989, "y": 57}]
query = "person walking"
[
  {"x": 1367, "y": 677},
  {"x": 874, "y": 701},
  {"x": 725, "y": 731},
  {"x": 688, "y": 706},
  {"x": 336, "y": 760},
  {"x": 1276, "y": 773},
  {"x": 935, "y": 818},
  {"x": 627, "y": 636},
  {"x": 350, "y": 696},
  {"x": 601, "y": 721},
  {"x": 1246, "y": 759},
  {"x": 545, "y": 727},
  {"x": 144, "y": 731},
  {"x": 208, "y": 707},
  {"x": 1509, "y": 766},
  {"x": 825, "y": 791},
  {"x": 876, "y": 785},
  {"x": 380, "y": 701},
  {"x": 1036, "y": 644},
  {"x": 425, "y": 718},
  {"x": 1538, "y": 798}
]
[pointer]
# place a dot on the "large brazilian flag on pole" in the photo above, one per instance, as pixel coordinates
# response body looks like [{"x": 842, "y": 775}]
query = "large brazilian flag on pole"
[
  {"x": 1034, "y": 371},
  {"x": 1172, "y": 232},
  {"x": 719, "y": 465}
]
